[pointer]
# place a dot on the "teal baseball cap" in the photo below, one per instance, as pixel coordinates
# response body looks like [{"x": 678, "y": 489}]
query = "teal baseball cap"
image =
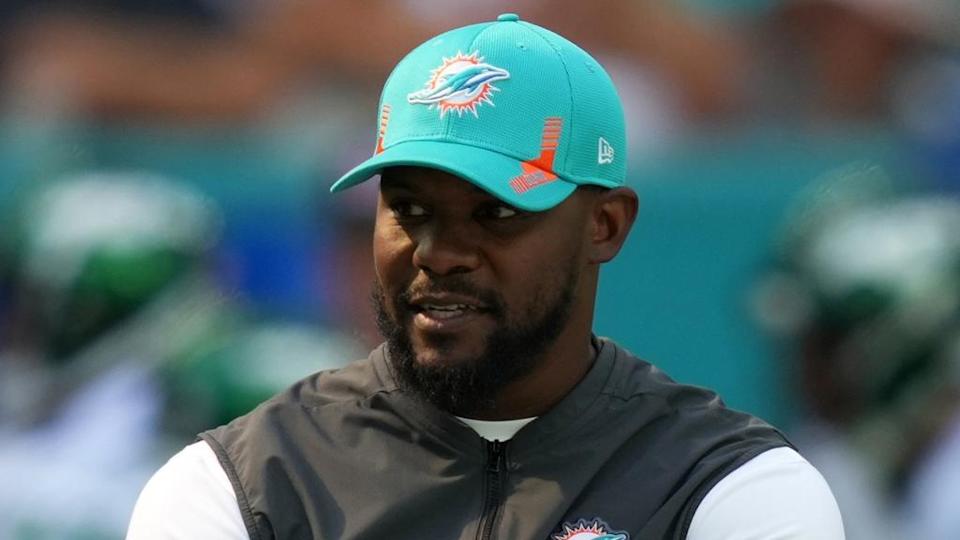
[{"x": 509, "y": 106}]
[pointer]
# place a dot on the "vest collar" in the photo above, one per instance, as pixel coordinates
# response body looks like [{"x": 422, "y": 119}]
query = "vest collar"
[{"x": 576, "y": 408}]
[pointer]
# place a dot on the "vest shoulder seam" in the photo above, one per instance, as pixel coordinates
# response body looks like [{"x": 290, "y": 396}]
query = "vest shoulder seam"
[{"x": 354, "y": 401}]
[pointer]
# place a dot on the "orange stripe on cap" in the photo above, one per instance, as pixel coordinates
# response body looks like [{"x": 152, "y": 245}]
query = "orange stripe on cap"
[
  {"x": 552, "y": 128},
  {"x": 539, "y": 171},
  {"x": 382, "y": 132}
]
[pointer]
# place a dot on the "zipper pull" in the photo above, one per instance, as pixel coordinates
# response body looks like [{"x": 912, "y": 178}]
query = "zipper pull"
[{"x": 495, "y": 455}]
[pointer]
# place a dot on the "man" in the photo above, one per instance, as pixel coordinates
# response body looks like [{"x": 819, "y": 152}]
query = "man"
[{"x": 492, "y": 411}]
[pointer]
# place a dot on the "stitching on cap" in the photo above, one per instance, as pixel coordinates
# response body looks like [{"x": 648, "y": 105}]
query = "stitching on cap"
[
  {"x": 470, "y": 49},
  {"x": 383, "y": 97},
  {"x": 563, "y": 62}
]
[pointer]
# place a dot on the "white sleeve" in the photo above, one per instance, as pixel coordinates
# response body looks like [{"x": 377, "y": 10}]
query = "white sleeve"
[
  {"x": 189, "y": 497},
  {"x": 776, "y": 495}
]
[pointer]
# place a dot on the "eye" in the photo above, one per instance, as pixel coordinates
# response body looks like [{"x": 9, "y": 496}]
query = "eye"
[
  {"x": 407, "y": 209},
  {"x": 499, "y": 211}
]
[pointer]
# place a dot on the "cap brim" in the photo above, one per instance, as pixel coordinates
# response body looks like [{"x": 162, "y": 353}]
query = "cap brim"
[{"x": 489, "y": 170}]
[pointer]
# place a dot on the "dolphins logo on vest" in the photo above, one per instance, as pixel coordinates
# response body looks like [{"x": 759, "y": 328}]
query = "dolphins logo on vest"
[{"x": 594, "y": 529}]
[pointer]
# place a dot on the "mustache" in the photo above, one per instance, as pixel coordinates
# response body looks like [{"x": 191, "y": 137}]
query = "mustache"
[{"x": 491, "y": 300}]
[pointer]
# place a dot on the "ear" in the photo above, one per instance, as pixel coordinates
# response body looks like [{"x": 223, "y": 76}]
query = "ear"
[{"x": 614, "y": 212}]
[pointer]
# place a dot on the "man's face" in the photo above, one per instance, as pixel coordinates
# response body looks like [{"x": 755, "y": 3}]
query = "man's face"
[{"x": 470, "y": 292}]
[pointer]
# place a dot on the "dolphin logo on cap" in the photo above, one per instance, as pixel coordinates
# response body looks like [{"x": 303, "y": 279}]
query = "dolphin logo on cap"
[{"x": 461, "y": 83}]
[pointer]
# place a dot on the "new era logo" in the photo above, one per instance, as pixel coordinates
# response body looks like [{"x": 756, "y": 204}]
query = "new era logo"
[{"x": 604, "y": 152}]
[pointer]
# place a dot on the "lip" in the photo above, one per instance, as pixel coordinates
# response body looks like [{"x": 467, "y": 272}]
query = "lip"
[
  {"x": 446, "y": 312},
  {"x": 430, "y": 322}
]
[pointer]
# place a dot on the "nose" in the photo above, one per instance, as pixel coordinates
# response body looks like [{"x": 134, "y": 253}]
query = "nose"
[{"x": 444, "y": 249}]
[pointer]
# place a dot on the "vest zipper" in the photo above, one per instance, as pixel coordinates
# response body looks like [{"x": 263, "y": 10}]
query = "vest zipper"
[{"x": 496, "y": 474}]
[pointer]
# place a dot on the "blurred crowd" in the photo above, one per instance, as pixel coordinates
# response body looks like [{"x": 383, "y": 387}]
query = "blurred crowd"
[{"x": 169, "y": 257}]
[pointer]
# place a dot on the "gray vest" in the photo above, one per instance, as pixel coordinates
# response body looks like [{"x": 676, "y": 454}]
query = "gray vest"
[{"x": 345, "y": 454}]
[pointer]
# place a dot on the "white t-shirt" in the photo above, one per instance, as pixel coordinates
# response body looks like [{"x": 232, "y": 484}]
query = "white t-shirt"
[{"x": 777, "y": 494}]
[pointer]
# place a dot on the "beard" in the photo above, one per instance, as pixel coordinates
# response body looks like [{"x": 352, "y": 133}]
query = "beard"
[{"x": 469, "y": 386}]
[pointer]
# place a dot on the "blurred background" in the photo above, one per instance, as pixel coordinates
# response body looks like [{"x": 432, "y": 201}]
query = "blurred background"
[{"x": 170, "y": 256}]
